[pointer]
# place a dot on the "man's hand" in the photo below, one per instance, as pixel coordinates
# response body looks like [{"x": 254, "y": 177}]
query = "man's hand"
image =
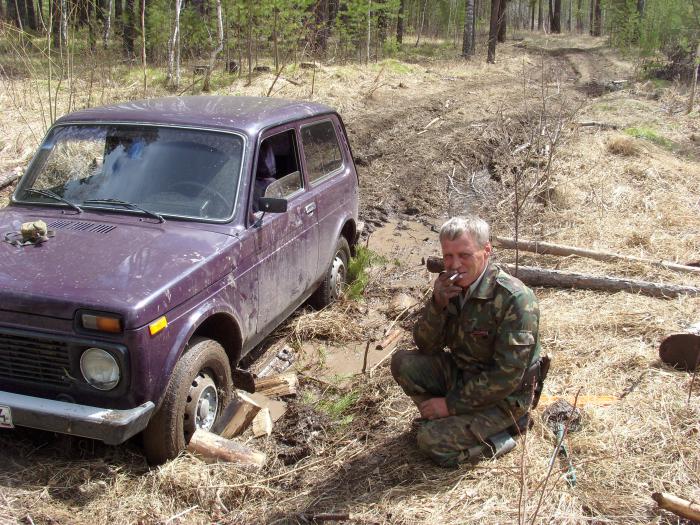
[
  {"x": 444, "y": 290},
  {"x": 435, "y": 408}
]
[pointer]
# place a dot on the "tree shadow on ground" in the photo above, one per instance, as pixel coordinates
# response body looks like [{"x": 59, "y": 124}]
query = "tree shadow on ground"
[{"x": 385, "y": 469}]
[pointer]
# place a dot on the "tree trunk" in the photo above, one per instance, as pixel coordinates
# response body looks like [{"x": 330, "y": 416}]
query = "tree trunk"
[
  {"x": 31, "y": 15},
  {"x": 107, "y": 24},
  {"x": 640, "y": 7},
  {"x": 502, "y": 20},
  {"x": 422, "y": 22},
  {"x": 143, "y": 46},
  {"x": 219, "y": 46},
  {"x": 476, "y": 11},
  {"x": 173, "y": 79},
  {"x": 118, "y": 16},
  {"x": 493, "y": 32},
  {"x": 547, "y": 248},
  {"x": 571, "y": 12},
  {"x": 694, "y": 85},
  {"x": 540, "y": 15},
  {"x": 467, "y": 41},
  {"x": 579, "y": 16},
  {"x": 558, "y": 279},
  {"x": 596, "y": 28},
  {"x": 129, "y": 32},
  {"x": 556, "y": 17},
  {"x": 399, "y": 22}
]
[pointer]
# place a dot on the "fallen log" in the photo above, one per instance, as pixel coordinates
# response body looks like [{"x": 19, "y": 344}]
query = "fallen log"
[
  {"x": 279, "y": 385},
  {"x": 558, "y": 279},
  {"x": 547, "y": 248},
  {"x": 210, "y": 447},
  {"x": 237, "y": 416},
  {"x": 679, "y": 506}
]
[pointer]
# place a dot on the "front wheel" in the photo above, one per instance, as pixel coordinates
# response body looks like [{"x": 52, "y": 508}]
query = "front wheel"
[
  {"x": 336, "y": 276},
  {"x": 199, "y": 388}
]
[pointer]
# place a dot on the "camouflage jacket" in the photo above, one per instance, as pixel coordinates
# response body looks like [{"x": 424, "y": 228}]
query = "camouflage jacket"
[{"x": 493, "y": 339}]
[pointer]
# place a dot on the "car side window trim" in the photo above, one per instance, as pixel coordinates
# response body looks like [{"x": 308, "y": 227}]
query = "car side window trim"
[{"x": 330, "y": 174}]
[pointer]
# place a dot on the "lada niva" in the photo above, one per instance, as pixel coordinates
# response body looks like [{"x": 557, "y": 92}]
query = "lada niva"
[{"x": 170, "y": 237}]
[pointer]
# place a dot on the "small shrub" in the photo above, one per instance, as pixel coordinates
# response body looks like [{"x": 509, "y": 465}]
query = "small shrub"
[
  {"x": 357, "y": 271},
  {"x": 623, "y": 146}
]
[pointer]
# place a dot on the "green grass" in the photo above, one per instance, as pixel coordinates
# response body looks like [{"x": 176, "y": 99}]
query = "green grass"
[
  {"x": 338, "y": 407},
  {"x": 396, "y": 66},
  {"x": 646, "y": 133}
]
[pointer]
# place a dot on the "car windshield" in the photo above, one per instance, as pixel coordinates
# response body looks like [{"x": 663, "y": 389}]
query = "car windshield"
[{"x": 169, "y": 171}]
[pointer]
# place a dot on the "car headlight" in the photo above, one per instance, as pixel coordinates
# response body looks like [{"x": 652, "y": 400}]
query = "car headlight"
[{"x": 99, "y": 368}]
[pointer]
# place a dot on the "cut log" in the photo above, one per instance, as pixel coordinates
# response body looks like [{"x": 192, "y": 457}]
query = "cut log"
[
  {"x": 558, "y": 279},
  {"x": 279, "y": 385},
  {"x": 211, "y": 447},
  {"x": 559, "y": 249},
  {"x": 679, "y": 506},
  {"x": 682, "y": 350},
  {"x": 237, "y": 416},
  {"x": 262, "y": 424}
]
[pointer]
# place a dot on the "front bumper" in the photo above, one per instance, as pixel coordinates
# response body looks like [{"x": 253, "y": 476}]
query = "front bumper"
[{"x": 109, "y": 425}]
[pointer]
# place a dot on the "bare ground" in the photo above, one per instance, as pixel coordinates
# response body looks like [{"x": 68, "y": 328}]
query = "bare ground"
[{"x": 435, "y": 139}]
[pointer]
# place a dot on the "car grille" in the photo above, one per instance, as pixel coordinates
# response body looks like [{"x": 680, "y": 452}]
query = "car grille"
[{"x": 31, "y": 360}]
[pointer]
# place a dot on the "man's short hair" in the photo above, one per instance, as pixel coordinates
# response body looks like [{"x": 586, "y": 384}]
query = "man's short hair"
[{"x": 478, "y": 229}]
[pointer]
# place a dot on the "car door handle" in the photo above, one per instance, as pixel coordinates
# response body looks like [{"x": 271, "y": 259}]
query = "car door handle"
[{"x": 310, "y": 208}]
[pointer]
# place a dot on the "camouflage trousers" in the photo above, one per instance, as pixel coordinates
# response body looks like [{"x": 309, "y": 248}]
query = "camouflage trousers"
[{"x": 453, "y": 439}]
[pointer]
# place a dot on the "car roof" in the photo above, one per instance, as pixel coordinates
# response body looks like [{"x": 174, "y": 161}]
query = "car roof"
[{"x": 249, "y": 115}]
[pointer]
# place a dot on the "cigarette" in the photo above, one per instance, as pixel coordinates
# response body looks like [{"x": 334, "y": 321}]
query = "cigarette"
[{"x": 454, "y": 276}]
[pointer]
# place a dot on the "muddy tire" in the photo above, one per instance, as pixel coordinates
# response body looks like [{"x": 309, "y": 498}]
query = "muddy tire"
[
  {"x": 199, "y": 389},
  {"x": 336, "y": 276}
]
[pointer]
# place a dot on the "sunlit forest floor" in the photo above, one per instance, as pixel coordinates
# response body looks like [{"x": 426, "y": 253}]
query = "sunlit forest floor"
[{"x": 612, "y": 160}]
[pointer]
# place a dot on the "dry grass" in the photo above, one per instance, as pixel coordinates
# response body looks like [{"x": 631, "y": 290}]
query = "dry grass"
[
  {"x": 602, "y": 344},
  {"x": 624, "y": 146}
]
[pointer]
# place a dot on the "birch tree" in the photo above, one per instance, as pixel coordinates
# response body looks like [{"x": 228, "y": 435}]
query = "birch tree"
[{"x": 173, "y": 79}]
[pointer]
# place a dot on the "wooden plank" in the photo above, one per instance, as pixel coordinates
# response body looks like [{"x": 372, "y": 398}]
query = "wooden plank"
[{"x": 211, "y": 447}]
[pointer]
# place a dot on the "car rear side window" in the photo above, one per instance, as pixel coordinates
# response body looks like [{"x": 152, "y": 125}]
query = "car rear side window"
[{"x": 321, "y": 150}]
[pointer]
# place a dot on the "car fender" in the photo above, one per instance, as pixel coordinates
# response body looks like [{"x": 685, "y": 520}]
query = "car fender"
[{"x": 188, "y": 324}]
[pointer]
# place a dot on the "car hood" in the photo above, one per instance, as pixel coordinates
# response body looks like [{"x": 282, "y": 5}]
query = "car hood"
[{"x": 129, "y": 265}]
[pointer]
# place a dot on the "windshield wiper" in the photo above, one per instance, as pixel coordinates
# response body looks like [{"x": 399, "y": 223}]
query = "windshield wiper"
[
  {"x": 55, "y": 196},
  {"x": 126, "y": 204}
]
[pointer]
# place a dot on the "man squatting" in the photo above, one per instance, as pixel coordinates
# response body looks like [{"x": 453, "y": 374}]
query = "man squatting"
[{"x": 489, "y": 322}]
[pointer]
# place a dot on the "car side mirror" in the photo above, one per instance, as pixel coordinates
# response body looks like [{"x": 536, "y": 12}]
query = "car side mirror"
[{"x": 272, "y": 205}]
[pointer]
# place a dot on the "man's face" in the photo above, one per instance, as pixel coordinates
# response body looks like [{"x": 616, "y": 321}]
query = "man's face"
[{"x": 464, "y": 256}]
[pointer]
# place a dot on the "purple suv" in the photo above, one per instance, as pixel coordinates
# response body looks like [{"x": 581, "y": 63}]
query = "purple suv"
[{"x": 181, "y": 231}]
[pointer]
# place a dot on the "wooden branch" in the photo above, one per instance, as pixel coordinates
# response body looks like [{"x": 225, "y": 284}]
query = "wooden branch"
[
  {"x": 8, "y": 178},
  {"x": 262, "y": 424},
  {"x": 209, "y": 446},
  {"x": 680, "y": 507},
  {"x": 279, "y": 385},
  {"x": 237, "y": 416},
  {"x": 598, "y": 125},
  {"x": 559, "y": 249},
  {"x": 559, "y": 279},
  {"x": 391, "y": 339}
]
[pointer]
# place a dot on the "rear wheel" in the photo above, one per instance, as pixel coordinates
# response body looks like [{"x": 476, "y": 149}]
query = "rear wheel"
[
  {"x": 336, "y": 276},
  {"x": 199, "y": 388}
]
